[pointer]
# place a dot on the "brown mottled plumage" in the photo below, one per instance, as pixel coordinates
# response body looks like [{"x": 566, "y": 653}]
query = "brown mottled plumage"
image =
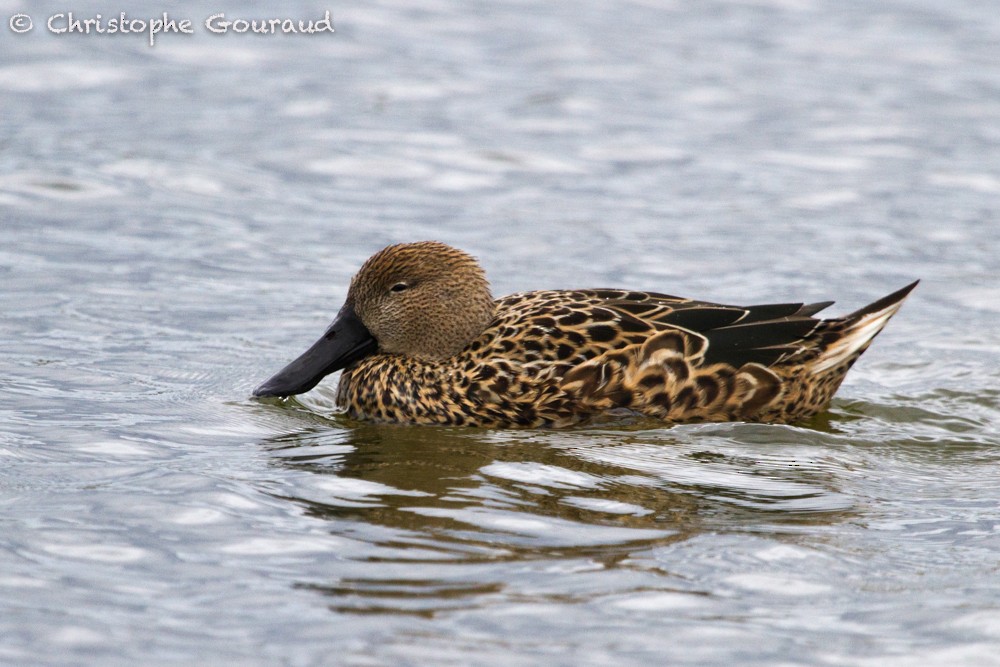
[{"x": 422, "y": 341}]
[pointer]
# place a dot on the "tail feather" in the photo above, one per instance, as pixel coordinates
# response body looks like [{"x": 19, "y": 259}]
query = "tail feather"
[
  {"x": 811, "y": 309},
  {"x": 858, "y": 330}
]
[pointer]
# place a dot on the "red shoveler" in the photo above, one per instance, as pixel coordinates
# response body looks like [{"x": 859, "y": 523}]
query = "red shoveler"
[{"x": 421, "y": 340}]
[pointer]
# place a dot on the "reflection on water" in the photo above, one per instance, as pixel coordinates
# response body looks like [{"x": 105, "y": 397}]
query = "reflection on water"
[{"x": 443, "y": 506}]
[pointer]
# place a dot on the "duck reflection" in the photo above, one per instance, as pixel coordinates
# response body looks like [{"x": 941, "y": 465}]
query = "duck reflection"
[
  {"x": 659, "y": 480},
  {"x": 446, "y": 512}
]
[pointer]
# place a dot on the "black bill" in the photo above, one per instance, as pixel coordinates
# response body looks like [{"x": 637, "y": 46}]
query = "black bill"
[{"x": 346, "y": 341}]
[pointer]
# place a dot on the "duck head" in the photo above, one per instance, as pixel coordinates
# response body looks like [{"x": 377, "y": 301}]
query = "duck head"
[{"x": 424, "y": 300}]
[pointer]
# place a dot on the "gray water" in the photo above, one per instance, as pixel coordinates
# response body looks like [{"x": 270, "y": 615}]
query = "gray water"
[{"x": 179, "y": 221}]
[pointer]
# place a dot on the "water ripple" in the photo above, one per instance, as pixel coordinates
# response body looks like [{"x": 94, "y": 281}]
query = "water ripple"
[{"x": 180, "y": 221}]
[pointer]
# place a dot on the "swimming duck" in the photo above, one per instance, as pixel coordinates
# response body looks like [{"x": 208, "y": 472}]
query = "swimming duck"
[{"x": 421, "y": 341}]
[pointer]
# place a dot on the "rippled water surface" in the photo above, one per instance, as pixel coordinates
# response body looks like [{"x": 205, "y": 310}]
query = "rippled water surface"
[{"x": 177, "y": 222}]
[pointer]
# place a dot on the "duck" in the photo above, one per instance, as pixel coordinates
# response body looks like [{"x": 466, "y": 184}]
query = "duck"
[{"x": 421, "y": 340}]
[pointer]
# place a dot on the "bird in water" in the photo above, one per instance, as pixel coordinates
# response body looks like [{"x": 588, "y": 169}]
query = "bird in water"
[{"x": 421, "y": 341}]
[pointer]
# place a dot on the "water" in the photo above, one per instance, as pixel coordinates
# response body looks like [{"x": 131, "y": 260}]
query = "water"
[{"x": 177, "y": 222}]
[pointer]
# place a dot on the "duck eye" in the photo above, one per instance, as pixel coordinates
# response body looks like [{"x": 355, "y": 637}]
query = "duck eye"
[{"x": 399, "y": 287}]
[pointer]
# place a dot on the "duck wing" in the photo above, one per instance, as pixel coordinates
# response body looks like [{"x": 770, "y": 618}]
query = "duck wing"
[{"x": 736, "y": 335}]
